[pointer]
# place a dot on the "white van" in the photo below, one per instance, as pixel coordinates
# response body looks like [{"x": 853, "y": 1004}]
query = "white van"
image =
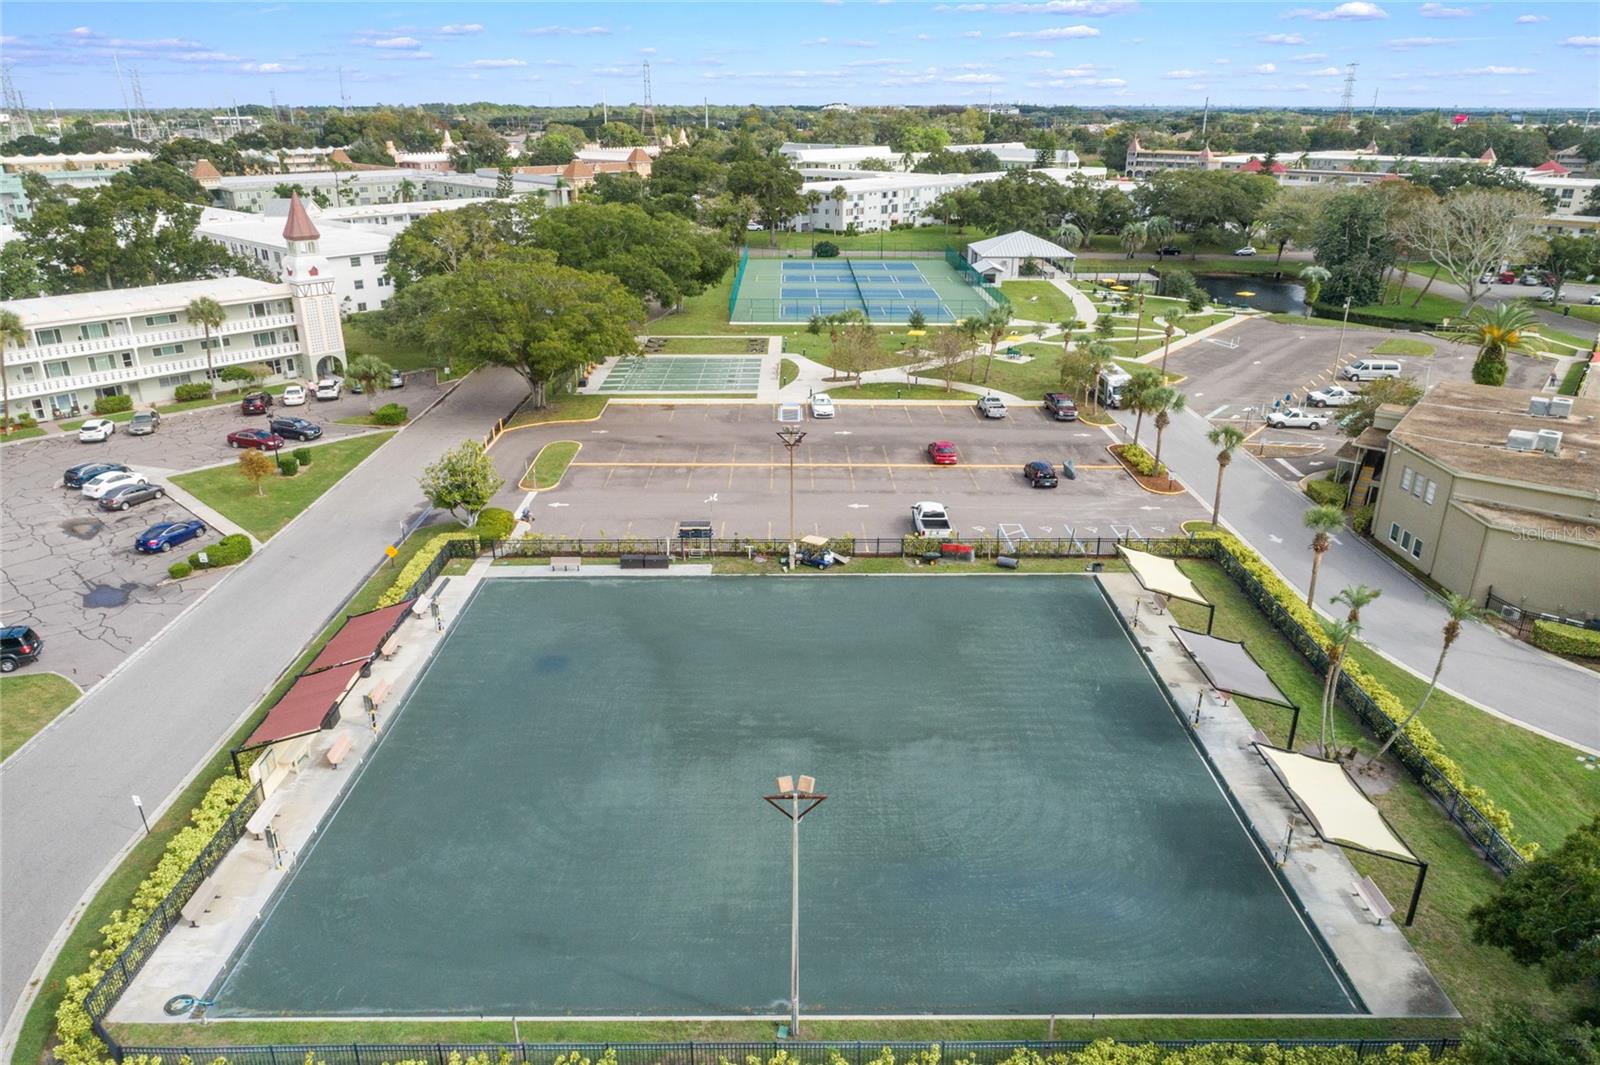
[{"x": 1371, "y": 369}]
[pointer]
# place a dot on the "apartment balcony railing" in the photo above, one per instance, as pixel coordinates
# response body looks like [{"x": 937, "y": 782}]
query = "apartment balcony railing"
[
  {"x": 146, "y": 371},
  {"x": 177, "y": 334}
]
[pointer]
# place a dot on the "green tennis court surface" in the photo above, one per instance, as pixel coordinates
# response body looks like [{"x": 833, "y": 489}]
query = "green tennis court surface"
[
  {"x": 566, "y": 818},
  {"x": 885, "y": 291},
  {"x": 683, "y": 373}
]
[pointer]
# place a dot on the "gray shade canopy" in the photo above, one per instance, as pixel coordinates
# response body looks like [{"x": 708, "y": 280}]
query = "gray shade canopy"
[{"x": 1229, "y": 667}]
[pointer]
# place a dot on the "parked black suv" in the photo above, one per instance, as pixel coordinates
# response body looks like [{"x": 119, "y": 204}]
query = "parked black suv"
[
  {"x": 1040, "y": 474},
  {"x": 1059, "y": 406},
  {"x": 295, "y": 428},
  {"x": 77, "y": 476},
  {"x": 19, "y": 645}
]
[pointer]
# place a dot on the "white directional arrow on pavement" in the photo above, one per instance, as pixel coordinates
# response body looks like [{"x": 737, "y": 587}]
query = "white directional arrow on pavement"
[
  {"x": 979, "y": 528},
  {"x": 599, "y": 432},
  {"x": 858, "y": 506},
  {"x": 843, "y": 432},
  {"x": 1275, "y": 538},
  {"x": 1149, "y": 508},
  {"x": 559, "y": 504},
  {"x": 1047, "y": 528}
]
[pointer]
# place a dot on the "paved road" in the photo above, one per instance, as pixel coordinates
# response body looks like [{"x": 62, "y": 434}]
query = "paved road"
[
  {"x": 1493, "y": 670},
  {"x": 145, "y": 729}
]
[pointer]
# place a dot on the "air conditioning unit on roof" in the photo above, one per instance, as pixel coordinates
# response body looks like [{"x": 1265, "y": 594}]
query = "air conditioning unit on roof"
[
  {"x": 1539, "y": 406},
  {"x": 1522, "y": 440},
  {"x": 1560, "y": 406},
  {"x": 1550, "y": 441}
]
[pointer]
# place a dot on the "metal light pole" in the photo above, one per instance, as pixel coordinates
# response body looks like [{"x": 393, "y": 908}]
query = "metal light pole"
[
  {"x": 1138, "y": 325},
  {"x": 1342, "y": 327},
  {"x": 791, "y": 438},
  {"x": 795, "y": 794}
]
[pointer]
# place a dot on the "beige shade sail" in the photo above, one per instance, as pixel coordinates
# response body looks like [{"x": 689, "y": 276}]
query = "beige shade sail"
[
  {"x": 1336, "y": 806},
  {"x": 1161, "y": 575}
]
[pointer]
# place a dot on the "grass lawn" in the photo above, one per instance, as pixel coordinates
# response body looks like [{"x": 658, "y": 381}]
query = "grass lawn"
[
  {"x": 926, "y": 238},
  {"x": 1568, "y": 343},
  {"x": 895, "y": 390},
  {"x": 32, "y": 701},
  {"x": 1402, "y": 346},
  {"x": 1315, "y": 323},
  {"x": 1475, "y": 977},
  {"x": 75, "y": 424},
  {"x": 359, "y": 341},
  {"x": 1574, "y": 378},
  {"x": 281, "y": 498},
  {"x": 366, "y": 419},
  {"x": 1582, "y": 310},
  {"x": 562, "y": 408},
  {"x": 1038, "y": 301},
  {"x": 788, "y": 370},
  {"x": 550, "y": 465},
  {"x": 707, "y": 346},
  {"x": 22, "y": 434},
  {"x": 1433, "y": 308}
]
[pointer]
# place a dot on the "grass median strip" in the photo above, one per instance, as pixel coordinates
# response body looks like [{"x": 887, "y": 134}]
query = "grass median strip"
[
  {"x": 32, "y": 701},
  {"x": 550, "y": 465},
  {"x": 1402, "y": 346},
  {"x": 229, "y": 492},
  {"x": 562, "y": 408}
]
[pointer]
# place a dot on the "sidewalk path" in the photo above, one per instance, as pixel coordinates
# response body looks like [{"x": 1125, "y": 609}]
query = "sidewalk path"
[{"x": 146, "y": 727}]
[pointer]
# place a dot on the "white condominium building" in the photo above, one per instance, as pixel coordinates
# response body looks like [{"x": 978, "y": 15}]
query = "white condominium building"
[
  {"x": 360, "y": 253},
  {"x": 139, "y": 342},
  {"x": 889, "y": 199}
]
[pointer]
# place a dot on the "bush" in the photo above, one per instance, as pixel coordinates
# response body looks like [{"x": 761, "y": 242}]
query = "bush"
[
  {"x": 113, "y": 405},
  {"x": 1361, "y": 520},
  {"x": 1561, "y": 639},
  {"x": 302, "y": 455},
  {"x": 1178, "y": 284},
  {"x": 179, "y": 570},
  {"x": 494, "y": 523},
  {"x": 22, "y": 421},
  {"x": 191, "y": 392},
  {"x": 228, "y": 551},
  {"x": 419, "y": 565},
  {"x": 826, "y": 249},
  {"x": 288, "y": 465},
  {"x": 1489, "y": 372},
  {"x": 1326, "y": 492},
  {"x": 1196, "y": 301},
  {"x": 1141, "y": 460},
  {"x": 390, "y": 414}
]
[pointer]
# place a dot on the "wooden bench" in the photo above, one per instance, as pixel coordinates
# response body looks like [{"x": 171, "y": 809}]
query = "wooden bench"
[
  {"x": 419, "y": 609},
  {"x": 390, "y": 647},
  {"x": 1370, "y": 896},
  {"x": 375, "y": 697},
  {"x": 257, "y": 825},
  {"x": 566, "y": 564},
  {"x": 200, "y": 901},
  {"x": 338, "y": 751}
]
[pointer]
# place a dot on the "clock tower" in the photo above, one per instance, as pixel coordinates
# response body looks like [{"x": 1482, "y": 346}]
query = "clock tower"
[{"x": 310, "y": 281}]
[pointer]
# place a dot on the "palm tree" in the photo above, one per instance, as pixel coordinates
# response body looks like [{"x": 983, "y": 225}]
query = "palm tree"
[
  {"x": 371, "y": 373},
  {"x": 1357, "y": 597},
  {"x": 407, "y": 189},
  {"x": 1228, "y": 438},
  {"x": 1497, "y": 331},
  {"x": 1068, "y": 235},
  {"x": 1136, "y": 396},
  {"x": 208, "y": 314},
  {"x": 1097, "y": 354},
  {"x": 1158, "y": 229},
  {"x": 1314, "y": 277},
  {"x": 11, "y": 332},
  {"x": 1458, "y": 608},
  {"x": 1339, "y": 633},
  {"x": 1164, "y": 402},
  {"x": 1133, "y": 237},
  {"x": 1322, "y": 520},
  {"x": 995, "y": 324}
]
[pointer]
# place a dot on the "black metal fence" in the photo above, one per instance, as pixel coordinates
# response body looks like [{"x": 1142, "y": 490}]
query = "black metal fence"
[
  {"x": 1520, "y": 617},
  {"x": 462, "y": 548},
  {"x": 1093, "y": 547},
  {"x": 1495, "y": 847},
  {"x": 824, "y": 1053},
  {"x": 98, "y": 1002}
]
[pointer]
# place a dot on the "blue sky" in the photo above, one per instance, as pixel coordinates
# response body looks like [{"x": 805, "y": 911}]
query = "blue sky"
[{"x": 1454, "y": 55}]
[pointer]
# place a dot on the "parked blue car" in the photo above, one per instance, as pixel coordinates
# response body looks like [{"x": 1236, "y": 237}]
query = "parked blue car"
[{"x": 168, "y": 534}]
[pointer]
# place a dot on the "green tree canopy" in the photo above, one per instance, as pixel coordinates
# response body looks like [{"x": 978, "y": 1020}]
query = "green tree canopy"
[
  {"x": 662, "y": 257},
  {"x": 463, "y": 479},
  {"x": 773, "y": 185},
  {"x": 1353, "y": 244}
]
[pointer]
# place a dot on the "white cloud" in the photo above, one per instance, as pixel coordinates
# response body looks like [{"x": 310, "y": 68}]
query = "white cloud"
[
  {"x": 1401, "y": 44},
  {"x": 883, "y": 62},
  {"x": 647, "y": 51},
  {"x": 389, "y": 42},
  {"x": 1070, "y": 72},
  {"x": 857, "y": 43},
  {"x": 1057, "y": 33},
  {"x": 1495, "y": 71},
  {"x": 975, "y": 79},
  {"x": 971, "y": 34},
  {"x": 1325, "y": 72},
  {"x": 269, "y": 68},
  {"x": 1441, "y": 11},
  {"x": 1265, "y": 68},
  {"x": 461, "y": 29},
  {"x": 404, "y": 56},
  {"x": 1100, "y": 83},
  {"x": 569, "y": 31},
  {"x": 1182, "y": 74},
  {"x": 1040, "y": 53},
  {"x": 1529, "y": 20},
  {"x": 206, "y": 57},
  {"x": 1223, "y": 62},
  {"x": 7, "y": 40},
  {"x": 1353, "y": 11},
  {"x": 1090, "y": 8},
  {"x": 83, "y": 33},
  {"x": 495, "y": 64},
  {"x": 1280, "y": 38},
  {"x": 924, "y": 36},
  {"x": 1309, "y": 57},
  {"x": 1582, "y": 42}
]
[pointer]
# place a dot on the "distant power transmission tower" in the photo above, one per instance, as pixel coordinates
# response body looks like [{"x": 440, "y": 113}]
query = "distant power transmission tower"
[
  {"x": 16, "y": 108},
  {"x": 141, "y": 111},
  {"x": 1348, "y": 98},
  {"x": 344, "y": 97},
  {"x": 127, "y": 107},
  {"x": 273, "y": 95},
  {"x": 647, "y": 115}
]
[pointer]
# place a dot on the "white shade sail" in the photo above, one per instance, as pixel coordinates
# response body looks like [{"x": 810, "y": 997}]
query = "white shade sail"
[
  {"x": 1339, "y": 810},
  {"x": 1161, "y": 575}
]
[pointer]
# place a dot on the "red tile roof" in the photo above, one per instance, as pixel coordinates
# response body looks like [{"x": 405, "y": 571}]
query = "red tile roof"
[{"x": 298, "y": 226}]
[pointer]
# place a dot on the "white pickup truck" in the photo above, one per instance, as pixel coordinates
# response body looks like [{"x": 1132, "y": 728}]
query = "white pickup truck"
[{"x": 930, "y": 519}]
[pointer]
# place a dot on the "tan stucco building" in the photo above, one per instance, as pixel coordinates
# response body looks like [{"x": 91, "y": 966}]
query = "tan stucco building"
[{"x": 1494, "y": 488}]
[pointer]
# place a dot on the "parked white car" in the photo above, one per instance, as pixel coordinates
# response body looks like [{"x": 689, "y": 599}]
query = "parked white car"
[
  {"x": 822, "y": 405},
  {"x": 329, "y": 388},
  {"x": 1246, "y": 250},
  {"x": 104, "y": 483},
  {"x": 1295, "y": 418},
  {"x": 293, "y": 396},
  {"x": 1332, "y": 396},
  {"x": 96, "y": 431},
  {"x": 1594, "y": 300}
]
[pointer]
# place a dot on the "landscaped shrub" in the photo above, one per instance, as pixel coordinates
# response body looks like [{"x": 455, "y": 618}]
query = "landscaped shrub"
[
  {"x": 191, "y": 392},
  {"x": 390, "y": 414},
  {"x": 302, "y": 455},
  {"x": 22, "y": 421},
  {"x": 1361, "y": 520},
  {"x": 113, "y": 405},
  {"x": 494, "y": 524},
  {"x": 1138, "y": 458},
  {"x": 228, "y": 551},
  {"x": 288, "y": 465},
  {"x": 1561, "y": 639},
  {"x": 179, "y": 570},
  {"x": 826, "y": 249},
  {"x": 419, "y": 565},
  {"x": 1324, "y": 491},
  {"x": 1176, "y": 283}
]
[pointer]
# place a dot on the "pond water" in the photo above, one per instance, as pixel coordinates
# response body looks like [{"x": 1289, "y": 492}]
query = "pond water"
[{"x": 1279, "y": 297}]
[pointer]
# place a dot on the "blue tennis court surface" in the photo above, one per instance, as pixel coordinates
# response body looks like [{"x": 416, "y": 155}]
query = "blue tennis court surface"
[
  {"x": 565, "y": 818},
  {"x": 883, "y": 290}
]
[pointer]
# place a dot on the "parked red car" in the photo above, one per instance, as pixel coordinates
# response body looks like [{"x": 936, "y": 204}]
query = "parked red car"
[
  {"x": 943, "y": 453},
  {"x": 255, "y": 403},
  {"x": 260, "y": 438}
]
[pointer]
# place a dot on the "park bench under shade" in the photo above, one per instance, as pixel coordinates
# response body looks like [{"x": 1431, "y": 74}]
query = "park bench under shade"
[
  {"x": 1163, "y": 577},
  {"x": 310, "y": 705},
  {"x": 359, "y": 638},
  {"x": 1340, "y": 811},
  {"x": 1230, "y": 667}
]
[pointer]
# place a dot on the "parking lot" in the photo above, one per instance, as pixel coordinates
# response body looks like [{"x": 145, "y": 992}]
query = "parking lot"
[
  {"x": 642, "y": 469},
  {"x": 70, "y": 568}
]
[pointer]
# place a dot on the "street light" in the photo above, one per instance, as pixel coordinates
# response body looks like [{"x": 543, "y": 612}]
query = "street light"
[
  {"x": 791, "y": 437},
  {"x": 1342, "y": 327},
  {"x": 795, "y": 794}
]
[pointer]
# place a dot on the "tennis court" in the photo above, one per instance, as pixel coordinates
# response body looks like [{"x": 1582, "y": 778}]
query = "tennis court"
[
  {"x": 683, "y": 373},
  {"x": 566, "y": 818},
  {"x": 884, "y": 290}
]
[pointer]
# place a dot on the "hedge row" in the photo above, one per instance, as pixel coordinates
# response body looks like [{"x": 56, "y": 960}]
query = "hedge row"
[
  {"x": 1141, "y": 460},
  {"x": 419, "y": 564},
  {"x": 113, "y": 405},
  {"x": 78, "y": 1044},
  {"x": 1389, "y": 703},
  {"x": 390, "y": 414},
  {"x": 494, "y": 523},
  {"x": 191, "y": 392},
  {"x": 228, "y": 551},
  {"x": 1326, "y": 492},
  {"x": 1561, "y": 639}
]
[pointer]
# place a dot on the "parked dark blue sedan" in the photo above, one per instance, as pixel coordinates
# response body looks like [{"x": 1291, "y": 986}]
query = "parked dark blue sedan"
[{"x": 168, "y": 534}]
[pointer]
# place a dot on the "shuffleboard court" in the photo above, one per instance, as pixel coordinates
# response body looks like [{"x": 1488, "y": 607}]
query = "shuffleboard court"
[
  {"x": 566, "y": 818},
  {"x": 683, "y": 373}
]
